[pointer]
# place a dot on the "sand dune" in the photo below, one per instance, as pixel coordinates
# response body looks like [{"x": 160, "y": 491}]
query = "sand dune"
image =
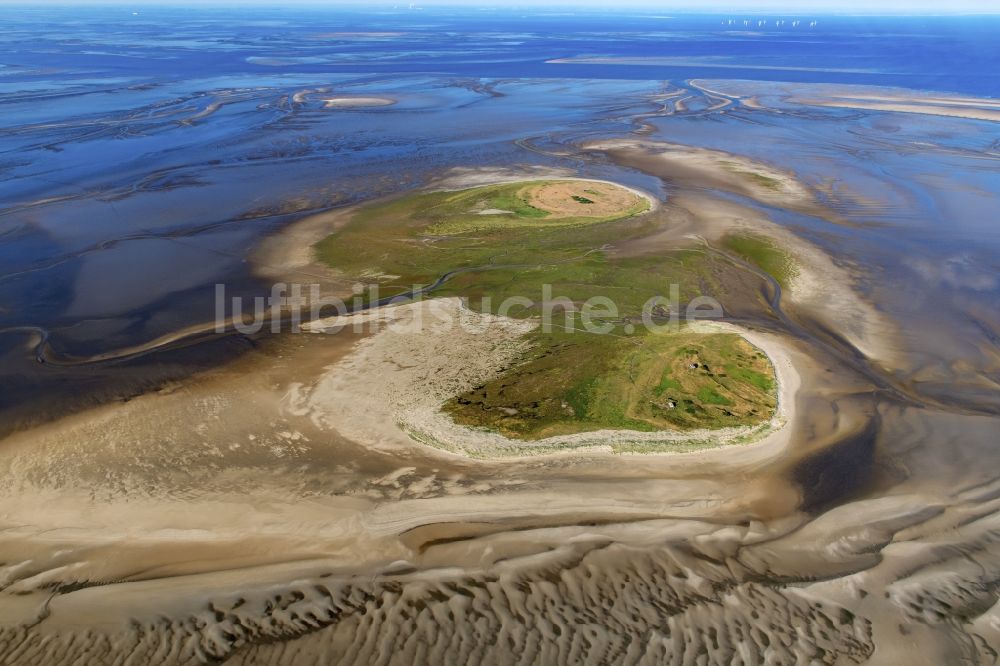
[{"x": 702, "y": 167}]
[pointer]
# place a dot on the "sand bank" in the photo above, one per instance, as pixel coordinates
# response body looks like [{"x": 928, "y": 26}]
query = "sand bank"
[
  {"x": 289, "y": 255},
  {"x": 875, "y": 98},
  {"x": 356, "y": 102},
  {"x": 825, "y": 290},
  {"x": 702, "y": 167},
  {"x": 908, "y": 106}
]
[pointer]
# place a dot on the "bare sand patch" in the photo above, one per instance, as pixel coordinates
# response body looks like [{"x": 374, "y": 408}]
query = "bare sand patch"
[
  {"x": 581, "y": 198},
  {"x": 289, "y": 255},
  {"x": 356, "y": 102},
  {"x": 460, "y": 178}
]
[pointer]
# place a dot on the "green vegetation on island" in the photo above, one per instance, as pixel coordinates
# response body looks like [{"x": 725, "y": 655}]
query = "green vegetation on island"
[
  {"x": 517, "y": 240},
  {"x": 571, "y": 382},
  {"x": 399, "y": 244}
]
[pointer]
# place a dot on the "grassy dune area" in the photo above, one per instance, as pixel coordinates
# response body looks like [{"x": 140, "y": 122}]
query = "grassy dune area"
[
  {"x": 510, "y": 240},
  {"x": 571, "y": 382},
  {"x": 400, "y": 243}
]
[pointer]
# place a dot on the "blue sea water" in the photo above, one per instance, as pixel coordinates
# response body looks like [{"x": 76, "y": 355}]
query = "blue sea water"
[
  {"x": 61, "y": 48},
  {"x": 144, "y": 153}
]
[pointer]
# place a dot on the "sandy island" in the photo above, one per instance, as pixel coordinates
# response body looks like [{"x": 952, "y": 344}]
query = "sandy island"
[
  {"x": 425, "y": 353},
  {"x": 278, "y": 510}
]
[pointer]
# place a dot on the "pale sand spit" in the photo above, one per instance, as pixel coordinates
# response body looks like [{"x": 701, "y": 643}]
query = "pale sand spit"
[{"x": 356, "y": 102}]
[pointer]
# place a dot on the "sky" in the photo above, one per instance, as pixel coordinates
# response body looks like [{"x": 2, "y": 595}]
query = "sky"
[{"x": 736, "y": 6}]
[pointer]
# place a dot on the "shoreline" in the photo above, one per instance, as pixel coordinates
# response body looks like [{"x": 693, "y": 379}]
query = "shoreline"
[{"x": 427, "y": 427}]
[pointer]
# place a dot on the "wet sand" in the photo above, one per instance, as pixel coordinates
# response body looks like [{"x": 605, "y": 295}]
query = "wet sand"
[
  {"x": 819, "y": 287},
  {"x": 272, "y": 510},
  {"x": 331, "y": 523},
  {"x": 195, "y": 539}
]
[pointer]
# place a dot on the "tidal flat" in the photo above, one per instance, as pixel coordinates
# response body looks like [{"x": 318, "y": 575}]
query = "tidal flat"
[{"x": 380, "y": 492}]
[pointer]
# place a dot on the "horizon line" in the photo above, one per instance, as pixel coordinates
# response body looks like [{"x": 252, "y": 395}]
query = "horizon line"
[{"x": 833, "y": 9}]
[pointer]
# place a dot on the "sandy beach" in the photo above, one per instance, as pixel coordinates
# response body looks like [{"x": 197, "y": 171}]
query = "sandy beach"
[{"x": 692, "y": 165}]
